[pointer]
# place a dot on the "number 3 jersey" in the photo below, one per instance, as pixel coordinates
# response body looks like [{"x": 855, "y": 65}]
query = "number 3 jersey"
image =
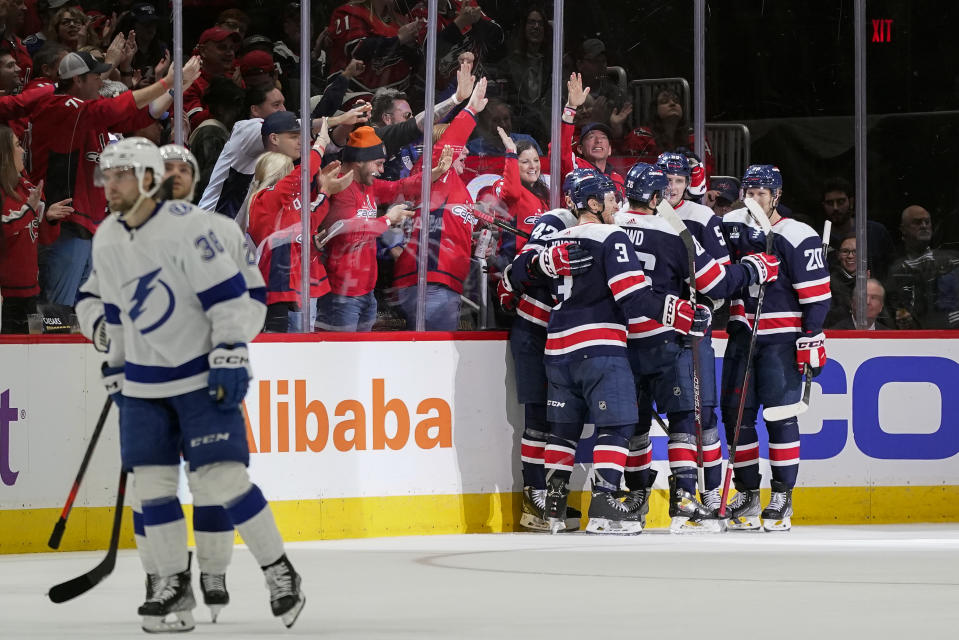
[
  {"x": 169, "y": 290},
  {"x": 797, "y": 302},
  {"x": 589, "y": 318}
]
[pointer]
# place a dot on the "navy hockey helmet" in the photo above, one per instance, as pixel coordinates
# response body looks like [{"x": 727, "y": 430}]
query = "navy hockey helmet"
[
  {"x": 762, "y": 176},
  {"x": 643, "y": 181},
  {"x": 574, "y": 176},
  {"x": 596, "y": 185},
  {"x": 673, "y": 164}
]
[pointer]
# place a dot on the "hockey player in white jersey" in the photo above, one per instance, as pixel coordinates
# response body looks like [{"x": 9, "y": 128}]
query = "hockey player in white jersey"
[
  {"x": 178, "y": 315},
  {"x": 790, "y": 338},
  {"x": 662, "y": 360},
  {"x": 588, "y": 372}
]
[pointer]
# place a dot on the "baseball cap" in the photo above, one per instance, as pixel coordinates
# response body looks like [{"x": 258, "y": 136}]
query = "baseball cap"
[
  {"x": 80, "y": 62},
  {"x": 144, "y": 12},
  {"x": 593, "y": 47},
  {"x": 727, "y": 187},
  {"x": 218, "y": 34},
  {"x": 256, "y": 41},
  {"x": 279, "y": 122},
  {"x": 595, "y": 126},
  {"x": 56, "y": 4},
  {"x": 256, "y": 60}
]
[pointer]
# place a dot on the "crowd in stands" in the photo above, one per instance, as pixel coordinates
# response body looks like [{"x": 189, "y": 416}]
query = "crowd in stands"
[{"x": 76, "y": 75}]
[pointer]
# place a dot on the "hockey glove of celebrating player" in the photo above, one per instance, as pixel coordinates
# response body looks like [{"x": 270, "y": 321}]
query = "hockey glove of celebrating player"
[
  {"x": 697, "y": 175},
  {"x": 229, "y": 375},
  {"x": 811, "y": 350},
  {"x": 567, "y": 259},
  {"x": 681, "y": 316},
  {"x": 113, "y": 382},
  {"x": 762, "y": 266},
  {"x": 504, "y": 291}
]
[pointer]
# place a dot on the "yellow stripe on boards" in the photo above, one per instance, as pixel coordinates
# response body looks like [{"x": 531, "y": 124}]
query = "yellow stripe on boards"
[{"x": 27, "y": 530}]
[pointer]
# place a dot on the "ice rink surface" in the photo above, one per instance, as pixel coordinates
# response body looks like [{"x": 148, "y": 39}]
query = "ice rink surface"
[{"x": 813, "y": 582}]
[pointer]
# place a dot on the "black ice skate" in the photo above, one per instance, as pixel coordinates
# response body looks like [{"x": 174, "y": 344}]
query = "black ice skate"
[
  {"x": 742, "y": 514},
  {"x": 152, "y": 581},
  {"x": 775, "y": 517},
  {"x": 555, "y": 508},
  {"x": 688, "y": 516},
  {"x": 638, "y": 499},
  {"x": 286, "y": 598},
  {"x": 215, "y": 595},
  {"x": 534, "y": 512},
  {"x": 172, "y": 595},
  {"x": 609, "y": 514}
]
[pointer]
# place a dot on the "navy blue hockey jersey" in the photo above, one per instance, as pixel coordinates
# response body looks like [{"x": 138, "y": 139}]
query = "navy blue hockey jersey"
[{"x": 797, "y": 302}]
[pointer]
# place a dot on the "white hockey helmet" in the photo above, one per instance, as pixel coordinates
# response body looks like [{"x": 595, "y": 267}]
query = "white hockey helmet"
[
  {"x": 179, "y": 153},
  {"x": 138, "y": 154}
]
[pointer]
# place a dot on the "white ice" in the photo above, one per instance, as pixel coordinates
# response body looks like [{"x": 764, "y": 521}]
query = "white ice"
[{"x": 813, "y": 582}]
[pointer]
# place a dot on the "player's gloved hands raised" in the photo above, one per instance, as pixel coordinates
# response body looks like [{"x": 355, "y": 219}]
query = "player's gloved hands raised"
[
  {"x": 504, "y": 291},
  {"x": 811, "y": 350},
  {"x": 681, "y": 316},
  {"x": 229, "y": 375},
  {"x": 764, "y": 267},
  {"x": 113, "y": 382},
  {"x": 567, "y": 259},
  {"x": 697, "y": 175}
]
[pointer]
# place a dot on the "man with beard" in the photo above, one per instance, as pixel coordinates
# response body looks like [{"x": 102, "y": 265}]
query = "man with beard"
[{"x": 839, "y": 205}]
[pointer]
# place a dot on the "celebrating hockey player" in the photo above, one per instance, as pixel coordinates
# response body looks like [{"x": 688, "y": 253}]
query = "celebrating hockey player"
[
  {"x": 662, "y": 360},
  {"x": 178, "y": 368},
  {"x": 789, "y": 339},
  {"x": 586, "y": 365}
]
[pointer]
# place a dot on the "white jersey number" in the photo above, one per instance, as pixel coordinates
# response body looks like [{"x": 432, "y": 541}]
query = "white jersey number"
[
  {"x": 815, "y": 259},
  {"x": 622, "y": 255}
]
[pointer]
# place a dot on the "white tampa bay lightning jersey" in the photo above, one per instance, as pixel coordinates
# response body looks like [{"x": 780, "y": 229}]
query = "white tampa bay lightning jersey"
[{"x": 170, "y": 290}]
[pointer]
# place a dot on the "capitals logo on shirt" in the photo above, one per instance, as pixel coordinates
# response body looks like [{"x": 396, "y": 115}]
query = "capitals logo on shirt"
[
  {"x": 367, "y": 209},
  {"x": 149, "y": 301}
]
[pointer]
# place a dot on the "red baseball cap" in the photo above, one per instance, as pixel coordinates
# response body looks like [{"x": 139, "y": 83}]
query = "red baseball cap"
[
  {"x": 256, "y": 60},
  {"x": 219, "y": 34}
]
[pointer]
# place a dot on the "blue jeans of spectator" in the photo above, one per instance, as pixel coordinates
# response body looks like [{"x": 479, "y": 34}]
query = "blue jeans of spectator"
[
  {"x": 346, "y": 313},
  {"x": 442, "y": 307},
  {"x": 64, "y": 266},
  {"x": 294, "y": 318}
]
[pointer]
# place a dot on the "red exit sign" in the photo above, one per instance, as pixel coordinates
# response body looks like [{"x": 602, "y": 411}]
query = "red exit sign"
[{"x": 882, "y": 30}]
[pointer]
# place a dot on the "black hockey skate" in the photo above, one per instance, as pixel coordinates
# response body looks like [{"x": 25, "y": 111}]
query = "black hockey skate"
[
  {"x": 215, "y": 595},
  {"x": 557, "y": 493},
  {"x": 742, "y": 514},
  {"x": 286, "y": 598},
  {"x": 534, "y": 512},
  {"x": 687, "y": 514},
  {"x": 172, "y": 595},
  {"x": 638, "y": 499},
  {"x": 152, "y": 581},
  {"x": 776, "y": 516},
  {"x": 609, "y": 513}
]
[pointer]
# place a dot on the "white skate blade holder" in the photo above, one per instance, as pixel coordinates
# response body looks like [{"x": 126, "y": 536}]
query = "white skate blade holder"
[
  {"x": 744, "y": 523},
  {"x": 175, "y": 622},
  {"x": 215, "y": 611},
  {"x": 613, "y": 527},
  {"x": 682, "y": 525},
  {"x": 783, "y": 524},
  {"x": 289, "y": 618}
]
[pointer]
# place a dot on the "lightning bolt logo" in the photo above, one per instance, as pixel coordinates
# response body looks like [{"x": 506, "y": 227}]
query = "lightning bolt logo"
[{"x": 144, "y": 287}]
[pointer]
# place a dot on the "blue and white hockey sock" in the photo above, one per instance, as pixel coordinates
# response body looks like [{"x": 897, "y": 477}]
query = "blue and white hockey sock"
[
  {"x": 213, "y": 531},
  {"x": 533, "y": 446},
  {"x": 165, "y": 530},
  {"x": 638, "y": 462},
  {"x": 784, "y": 450},
  {"x": 609, "y": 456},
  {"x": 139, "y": 533},
  {"x": 252, "y": 517}
]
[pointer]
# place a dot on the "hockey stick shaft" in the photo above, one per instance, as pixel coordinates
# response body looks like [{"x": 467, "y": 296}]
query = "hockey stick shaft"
[
  {"x": 496, "y": 222},
  {"x": 57, "y": 535},
  {"x": 81, "y": 584}
]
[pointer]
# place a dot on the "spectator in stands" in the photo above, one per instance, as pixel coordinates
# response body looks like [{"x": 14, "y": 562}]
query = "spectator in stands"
[
  {"x": 595, "y": 148},
  {"x": 529, "y": 65},
  {"x": 25, "y": 222},
  {"x": 9, "y": 41},
  {"x": 46, "y": 64},
  {"x": 463, "y": 28},
  {"x": 256, "y": 42},
  {"x": 842, "y": 279},
  {"x": 486, "y": 140},
  {"x": 10, "y": 74},
  {"x": 839, "y": 205},
  {"x": 44, "y": 13},
  {"x": 667, "y": 130},
  {"x": 875, "y": 303},
  {"x": 259, "y": 70},
  {"x": 143, "y": 19},
  {"x": 225, "y": 101},
  {"x": 217, "y": 48},
  {"x": 68, "y": 26},
  {"x": 522, "y": 189},
  {"x": 722, "y": 193},
  {"x": 923, "y": 284},
  {"x": 286, "y": 52},
  {"x": 70, "y": 129},
  {"x": 234, "y": 20},
  {"x": 377, "y": 33}
]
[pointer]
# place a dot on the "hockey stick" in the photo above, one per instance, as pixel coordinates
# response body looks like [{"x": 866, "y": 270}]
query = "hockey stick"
[
  {"x": 81, "y": 584},
  {"x": 61, "y": 525},
  {"x": 756, "y": 212},
  {"x": 489, "y": 218},
  {"x": 666, "y": 211},
  {"x": 787, "y": 411}
]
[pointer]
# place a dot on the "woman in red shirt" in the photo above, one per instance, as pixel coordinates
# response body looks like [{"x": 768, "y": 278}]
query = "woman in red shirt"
[
  {"x": 522, "y": 189},
  {"x": 25, "y": 221}
]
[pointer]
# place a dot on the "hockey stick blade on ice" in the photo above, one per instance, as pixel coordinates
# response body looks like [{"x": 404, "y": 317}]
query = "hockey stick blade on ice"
[
  {"x": 57, "y": 535},
  {"x": 785, "y": 412},
  {"x": 81, "y": 584}
]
